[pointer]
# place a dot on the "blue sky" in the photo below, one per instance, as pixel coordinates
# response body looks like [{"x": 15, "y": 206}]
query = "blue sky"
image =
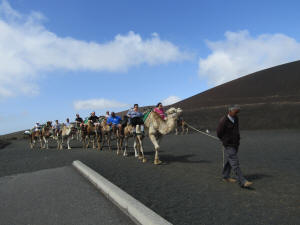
[{"x": 59, "y": 58}]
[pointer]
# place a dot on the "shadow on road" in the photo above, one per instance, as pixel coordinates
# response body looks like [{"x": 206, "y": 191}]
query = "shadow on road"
[{"x": 181, "y": 158}]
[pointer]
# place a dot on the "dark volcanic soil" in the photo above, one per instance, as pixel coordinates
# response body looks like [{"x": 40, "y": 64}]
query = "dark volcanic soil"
[
  {"x": 270, "y": 99},
  {"x": 188, "y": 188}
]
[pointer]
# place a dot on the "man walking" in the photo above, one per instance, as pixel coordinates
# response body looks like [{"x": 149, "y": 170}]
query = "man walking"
[{"x": 229, "y": 134}]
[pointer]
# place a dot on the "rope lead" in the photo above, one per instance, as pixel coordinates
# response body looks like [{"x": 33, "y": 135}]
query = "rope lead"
[{"x": 214, "y": 137}]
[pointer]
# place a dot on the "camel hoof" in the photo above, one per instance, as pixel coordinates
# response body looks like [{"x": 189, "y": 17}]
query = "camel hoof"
[
  {"x": 125, "y": 155},
  {"x": 69, "y": 148},
  {"x": 157, "y": 162},
  {"x": 144, "y": 160}
]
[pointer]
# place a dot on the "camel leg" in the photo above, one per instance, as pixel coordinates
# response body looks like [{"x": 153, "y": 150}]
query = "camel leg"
[
  {"x": 68, "y": 142},
  {"x": 94, "y": 146},
  {"x": 58, "y": 144},
  {"x": 118, "y": 141},
  {"x": 135, "y": 148},
  {"x": 84, "y": 142},
  {"x": 126, "y": 144},
  {"x": 156, "y": 159},
  {"x": 141, "y": 149},
  {"x": 118, "y": 145},
  {"x": 98, "y": 142},
  {"x": 31, "y": 142},
  {"x": 61, "y": 143},
  {"x": 46, "y": 140},
  {"x": 176, "y": 131},
  {"x": 41, "y": 142},
  {"x": 103, "y": 141},
  {"x": 88, "y": 142},
  {"x": 156, "y": 146},
  {"x": 121, "y": 144},
  {"x": 108, "y": 142}
]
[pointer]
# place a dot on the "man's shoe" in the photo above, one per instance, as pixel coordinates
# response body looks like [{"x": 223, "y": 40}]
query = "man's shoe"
[
  {"x": 230, "y": 180},
  {"x": 247, "y": 184}
]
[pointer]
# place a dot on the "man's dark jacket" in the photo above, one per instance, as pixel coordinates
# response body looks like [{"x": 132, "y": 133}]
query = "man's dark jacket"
[{"x": 229, "y": 132}]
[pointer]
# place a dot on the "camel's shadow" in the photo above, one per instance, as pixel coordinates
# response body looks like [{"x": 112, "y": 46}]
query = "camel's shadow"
[{"x": 181, "y": 158}]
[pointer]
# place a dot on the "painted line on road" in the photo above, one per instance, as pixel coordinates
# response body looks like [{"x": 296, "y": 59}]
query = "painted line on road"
[{"x": 135, "y": 209}]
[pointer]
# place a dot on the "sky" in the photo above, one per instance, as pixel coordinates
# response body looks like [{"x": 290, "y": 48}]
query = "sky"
[{"x": 59, "y": 58}]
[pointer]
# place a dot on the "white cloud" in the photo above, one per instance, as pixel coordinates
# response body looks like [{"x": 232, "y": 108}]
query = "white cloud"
[
  {"x": 28, "y": 49},
  {"x": 93, "y": 104},
  {"x": 240, "y": 54},
  {"x": 170, "y": 100}
]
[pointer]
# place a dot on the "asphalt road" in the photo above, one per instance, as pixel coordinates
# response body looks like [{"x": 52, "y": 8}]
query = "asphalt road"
[
  {"x": 187, "y": 188},
  {"x": 55, "y": 196}
]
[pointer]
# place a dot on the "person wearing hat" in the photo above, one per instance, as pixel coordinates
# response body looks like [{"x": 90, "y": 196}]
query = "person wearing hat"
[
  {"x": 228, "y": 132},
  {"x": 37, "y": 126}
]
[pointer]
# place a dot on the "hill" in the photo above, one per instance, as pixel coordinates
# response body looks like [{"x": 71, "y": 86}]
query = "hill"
[{"x": 270, "y": 99}]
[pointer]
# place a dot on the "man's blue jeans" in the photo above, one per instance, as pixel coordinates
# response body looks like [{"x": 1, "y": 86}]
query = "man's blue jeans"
[{"x": 231, "y": 161}]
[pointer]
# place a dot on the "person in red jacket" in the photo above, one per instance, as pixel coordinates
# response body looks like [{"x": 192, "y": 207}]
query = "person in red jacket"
[
  {"x": 228, "y": 132},
  {"x": 160, "y": 110}
]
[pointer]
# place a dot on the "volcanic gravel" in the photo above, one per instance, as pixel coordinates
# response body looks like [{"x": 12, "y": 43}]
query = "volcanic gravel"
[{"x": 187, "y": 188}]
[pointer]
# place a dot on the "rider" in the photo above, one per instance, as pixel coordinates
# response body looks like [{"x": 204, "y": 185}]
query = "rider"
[
  {"x": 107, "y": 115},
  {"x": 94, "y": 119},
  {"x": 160, "y": 111},
  {"x": 136, "y": 118},
  {"x": 78, "y": 119},
  {"x": 37, "y": 127},
  {"x": 68, "y": 122},
  {"x": 114, "y": 121},
  {"x": 56, "y": 127}
]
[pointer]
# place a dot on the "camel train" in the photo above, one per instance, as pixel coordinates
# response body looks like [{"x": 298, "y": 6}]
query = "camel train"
[{"x": 102, "y": 134}]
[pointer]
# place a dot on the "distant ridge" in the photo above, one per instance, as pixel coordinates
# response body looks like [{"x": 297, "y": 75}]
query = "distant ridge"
[{"x": 270, "y": 99}]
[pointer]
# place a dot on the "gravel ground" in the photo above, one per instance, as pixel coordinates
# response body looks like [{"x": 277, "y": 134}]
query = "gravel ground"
[{"x": 187, "y": 188}]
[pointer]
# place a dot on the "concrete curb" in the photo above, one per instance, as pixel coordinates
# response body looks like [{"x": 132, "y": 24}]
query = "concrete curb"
[{"x": 130, "y": 205}]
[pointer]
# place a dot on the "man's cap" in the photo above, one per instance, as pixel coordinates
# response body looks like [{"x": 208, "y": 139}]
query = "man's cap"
[{"x": 234, "y": 107}]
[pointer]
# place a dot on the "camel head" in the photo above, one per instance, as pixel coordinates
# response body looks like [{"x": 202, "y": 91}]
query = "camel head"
[{"x": 173, "y": 112}]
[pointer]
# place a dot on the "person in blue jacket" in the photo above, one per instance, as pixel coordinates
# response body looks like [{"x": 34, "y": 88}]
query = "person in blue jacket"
[
  {"x": 114, "y": 121},
  {"x": 136, "y": 118}
]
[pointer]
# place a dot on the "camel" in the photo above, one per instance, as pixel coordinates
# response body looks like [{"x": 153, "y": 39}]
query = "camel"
[
  {"x": 181, "y": 124},
  {"x": 158, "y": 127},
  {"x": 137, "y": 144},
  {"x": 93, "y": 132},
  {"x": 34, "y": 136},
  {"x": 47, "y": 132},
  {"x": 66, "y": 132},
  {"x": 106, "y": 133}
]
